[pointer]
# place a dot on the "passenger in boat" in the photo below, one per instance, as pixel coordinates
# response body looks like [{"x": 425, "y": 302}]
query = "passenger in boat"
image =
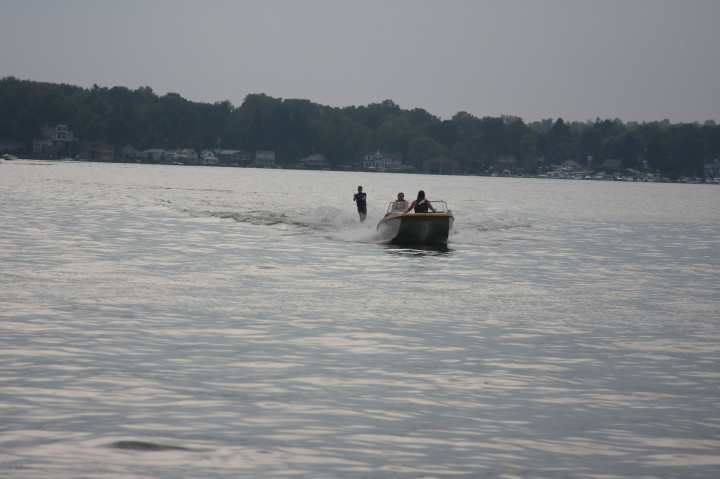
[
  {"x": 361, "y": 199},
  {"x": 399, "y": 205},
  {"x": 421, "y": 205}
]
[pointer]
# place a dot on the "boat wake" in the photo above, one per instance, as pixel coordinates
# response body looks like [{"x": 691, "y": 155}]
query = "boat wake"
[
  {"x": 262, "y": 218},
  {"x": 327, "y": 221},
  {"x": 343, "y": 225}
]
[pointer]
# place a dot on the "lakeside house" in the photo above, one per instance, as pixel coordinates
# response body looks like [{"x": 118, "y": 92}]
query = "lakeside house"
[
  {"x": 208, "y": 158},
  {"x": 441, "y": 165},
  {"x": 570, "y": 165},
  {"x": 712, "y": 170},
  {"x": 233, "y": 157},
  {"x": 265, "y": 158},
  {"x": 184, "y": 156},
  {"x": 189, "y": 156},
  {"x": 56, "y": 142},
  {"x": 504, "y": 165},
  {"x": 315, "y": 160},
  {"x": 96, "y": 151},
  {"x": 385, "y": 161}
]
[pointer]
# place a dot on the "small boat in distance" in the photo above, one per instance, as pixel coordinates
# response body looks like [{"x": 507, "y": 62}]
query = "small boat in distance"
[
  {"x": 8, "y": 156},
  {"x": 399, "y": 227}
]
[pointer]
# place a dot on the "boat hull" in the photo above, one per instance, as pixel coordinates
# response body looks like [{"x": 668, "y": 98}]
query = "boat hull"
[{"x": 416, "y": 228}]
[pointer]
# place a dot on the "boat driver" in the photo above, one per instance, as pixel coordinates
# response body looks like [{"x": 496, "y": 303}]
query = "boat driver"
[{"x": 421, "y": 205}]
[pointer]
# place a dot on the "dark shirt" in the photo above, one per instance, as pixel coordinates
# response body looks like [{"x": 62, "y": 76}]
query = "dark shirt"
[
  {"x": 360, "y": 199},
  {"x": 421, "y": 207}
]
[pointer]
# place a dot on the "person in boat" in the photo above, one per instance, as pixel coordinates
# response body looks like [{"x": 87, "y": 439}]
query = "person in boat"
[
  {"x": 360, "y": 198},
  {"x": 421, "y": 205},
  {"x": 400, "y": 204}
]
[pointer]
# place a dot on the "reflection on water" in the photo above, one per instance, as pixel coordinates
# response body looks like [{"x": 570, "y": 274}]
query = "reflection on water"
[
  {"x": 145, "y": 446},
  {"x": 226, "y": 322},
  {"x": 417, "y": 250}
]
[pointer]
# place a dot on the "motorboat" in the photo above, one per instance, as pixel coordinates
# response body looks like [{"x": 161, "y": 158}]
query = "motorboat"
[
  {"x": 399, "y": 227},
  {"x": 8, "y": 156}
]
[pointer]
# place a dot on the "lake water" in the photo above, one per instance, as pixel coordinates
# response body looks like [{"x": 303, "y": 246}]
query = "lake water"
[{"x": 199, "y": 322}]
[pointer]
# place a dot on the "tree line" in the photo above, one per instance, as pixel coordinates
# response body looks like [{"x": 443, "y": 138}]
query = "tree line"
[{"x": 296, "y": 128}]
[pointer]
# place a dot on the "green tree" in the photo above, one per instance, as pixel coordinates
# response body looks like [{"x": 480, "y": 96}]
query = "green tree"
[
  {"x": 423, "y": 148},
  {"x": 395, "y": 133},
  {"x": 529, "y": 152},
  {"x": 561, "y": 146},
  {"x": 444, "y": 132},
  {"x": 462, "y": 152},
  {"x": 295, "y": 128}
]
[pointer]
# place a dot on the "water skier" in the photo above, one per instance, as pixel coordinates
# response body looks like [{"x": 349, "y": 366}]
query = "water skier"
[{"x": 361, "y": 199}]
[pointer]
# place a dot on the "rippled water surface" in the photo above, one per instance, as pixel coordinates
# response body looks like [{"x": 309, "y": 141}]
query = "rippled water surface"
[{"x": 167, "y": 321}]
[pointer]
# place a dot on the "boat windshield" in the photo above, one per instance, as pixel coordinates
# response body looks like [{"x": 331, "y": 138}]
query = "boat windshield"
[{"x": 439, "y": 205}]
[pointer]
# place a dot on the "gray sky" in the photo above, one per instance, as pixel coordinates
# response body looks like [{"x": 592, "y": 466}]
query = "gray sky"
[{"x": 636, "y": 60}]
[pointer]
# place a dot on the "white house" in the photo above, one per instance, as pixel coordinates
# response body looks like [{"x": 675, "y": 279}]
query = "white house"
[
  {"x": 208, "y": 158},
  {"x": 315, "y": 160},
  {"x": 383, "y": 161},
  {"x": 59, "y": 133},
  {"x": 186, "y": 156}
]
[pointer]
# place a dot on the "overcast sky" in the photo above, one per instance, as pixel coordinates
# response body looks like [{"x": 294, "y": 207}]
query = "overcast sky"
[{"x": 636, "y": 60}]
